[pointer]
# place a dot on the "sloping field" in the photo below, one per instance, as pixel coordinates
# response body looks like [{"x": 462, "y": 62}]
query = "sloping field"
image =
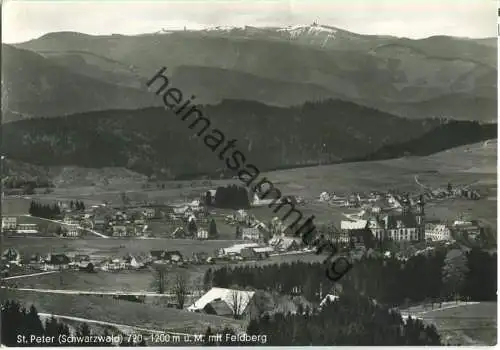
[
  {"x": 121, "y": 312},
  {"x": 471, "y": 324}
]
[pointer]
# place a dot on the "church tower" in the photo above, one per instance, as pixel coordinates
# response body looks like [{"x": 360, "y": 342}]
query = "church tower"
[
  {"x": 420, "y": 216},
  {"x": 405, "y": 205}
]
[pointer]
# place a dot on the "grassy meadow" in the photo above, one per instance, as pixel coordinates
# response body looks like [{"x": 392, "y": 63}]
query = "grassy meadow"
[
  {"x": 149, "y": 316},
  {"x": 474, "y": 324}
]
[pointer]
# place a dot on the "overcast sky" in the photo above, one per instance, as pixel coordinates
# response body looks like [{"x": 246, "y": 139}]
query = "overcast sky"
[{"x": 23, "y": 20}]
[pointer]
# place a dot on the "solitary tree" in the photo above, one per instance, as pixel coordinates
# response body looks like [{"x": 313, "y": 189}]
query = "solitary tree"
[
  {"x": 236, "y": 303},
  {"x": 159, "y": 278},
  {"x": 208, "y": 279},
  {"x": 212, "y": 229},
  {"x": 180, "y": 289},
  {"x": 208, "y": 199}
]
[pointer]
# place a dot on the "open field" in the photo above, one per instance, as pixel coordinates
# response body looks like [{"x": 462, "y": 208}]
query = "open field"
[
  {"x": 473, "y": 324},
  {"x": 473, "y": 165},
  {"x": 122, "y": 312},
  {"x": 141, "y": 280}
]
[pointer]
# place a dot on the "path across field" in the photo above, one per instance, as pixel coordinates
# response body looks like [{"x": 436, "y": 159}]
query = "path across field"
[{"x": 86, "y": 292}]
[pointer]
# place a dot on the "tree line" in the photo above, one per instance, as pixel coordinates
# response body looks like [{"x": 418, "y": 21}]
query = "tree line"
[
  {"x": 18, "y": 322},
  {"x": 76, "y": 205},
  {"x": 435, "y": 277},
  {"x": 116, "y": 138},
  {"x": 12, "y": 182},
  {"x": 351, "y": 320},
  {"x": 46, "y": 211},
  {"x": 229, "y": 197}
]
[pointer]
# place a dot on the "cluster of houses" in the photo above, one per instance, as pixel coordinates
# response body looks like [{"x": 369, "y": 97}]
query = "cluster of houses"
[
  {"x": 398, "y": 221},
  {"x": 10, "y": 224},
  {"x": 62, "y": 261},
  {"x": 278, "y": 244},
  {"x": 403, "y": 219}
]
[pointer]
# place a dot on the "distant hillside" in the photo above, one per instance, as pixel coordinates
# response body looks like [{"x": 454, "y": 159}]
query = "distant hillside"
[
  {"x": 277, "y": 66},
  {"x": 213, "y": 85},
  {"x": 32, "y": 85},
  {"x": 452, "y": 106},
  {"x": 63, "y": 176},
  {"x": 445, "y": 136},
  {"x": 154, "y": 140}
]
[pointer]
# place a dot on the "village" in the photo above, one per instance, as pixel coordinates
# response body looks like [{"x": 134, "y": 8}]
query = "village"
[{"x": 392, "y": 217}]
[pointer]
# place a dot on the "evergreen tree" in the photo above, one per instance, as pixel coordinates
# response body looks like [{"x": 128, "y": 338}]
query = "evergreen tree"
[
  {"x": 207, "y": 279},
  {"x": 212, "y": 229}
]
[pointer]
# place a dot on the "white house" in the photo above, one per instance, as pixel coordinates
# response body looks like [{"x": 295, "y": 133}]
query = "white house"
[
  {"x": 71, "y": 220},
  {"x": 250, "y": 233},
  {"x": 27, "y": 228},
  {"x": 353, "y": 224},
  {"x": 237, "y": 301},
  {"x": 202, "y": 234},
  {"x": 324, "y": 197},
  {"x": 119, "y": 231},
  {"x": 329, "y": 298},
  {"x": 241, "y": 215},
  {"x": 236, "y": 249},
  {"x": 113, "y": 265},
  {"x": 285, "y": 244},
  {"x": 73, "y": 230},
  {"x": 437, "y": 232},
  {"x": 148, "y": 213},
  {"x": 9, "y": 223}
]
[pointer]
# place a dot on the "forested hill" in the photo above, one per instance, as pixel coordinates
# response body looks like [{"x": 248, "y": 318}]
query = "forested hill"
[
  {"x": 445, "y": 136},
  {"x": 155, "y": 140}
]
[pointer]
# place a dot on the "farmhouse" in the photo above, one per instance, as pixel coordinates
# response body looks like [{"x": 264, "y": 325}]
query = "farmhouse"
[
  {"x": 135, "y": 262},
  {"x": 263, "y": 252},
  {"x": 56, "y": 262},
  {"x": 285, "y": 244},
  {"x": 156, "y": 255},
  {"x": 9, "y": 223},
  {"x": 100, "y": 223},
  {"x": 250, "y": 233},
  {"x": 202, "y": 234},
  {"x": 236, "y": 249},
  {"x": 119, "y": 231},
  {"x": 173, "y": 256},
  {"x": 437, "y": 232},
  {"x": 27, "y": 228},
  {"x": 149, "y": 213},
  {"x": 71, "y": 219},
  {"x": 200, "y": 258},
  {"x": 329, "y": 298},
  {"x": 73, "y": 230},
  {"x": 113, "y": 264},
  {"x": 224, "y": 302},
  {"x": 163, "y": 255}
]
